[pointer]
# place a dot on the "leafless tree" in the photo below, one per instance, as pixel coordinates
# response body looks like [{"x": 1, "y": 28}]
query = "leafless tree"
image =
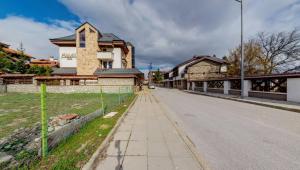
[{"x": 280, "y": 51}]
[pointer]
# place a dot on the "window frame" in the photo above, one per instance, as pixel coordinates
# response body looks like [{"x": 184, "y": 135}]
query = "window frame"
[{"x": 82, "y": 39}]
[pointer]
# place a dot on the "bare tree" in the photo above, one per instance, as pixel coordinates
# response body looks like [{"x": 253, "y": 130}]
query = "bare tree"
[
  {"x": 252, "y": 63},
  {"x": 280, "y": 51}
]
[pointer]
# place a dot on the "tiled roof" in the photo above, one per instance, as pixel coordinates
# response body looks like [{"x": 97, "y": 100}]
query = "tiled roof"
[
  {"x": 64, "y": 71},
  {"x": 15, "y": 52},
  {"x": 118, "y": 71},
  {"x": 106, "y": 37},
  {"x": 197, "y": 58},
  {"x": 4, "y": 45}
]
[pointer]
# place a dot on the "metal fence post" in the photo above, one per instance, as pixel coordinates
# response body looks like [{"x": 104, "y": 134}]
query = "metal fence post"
[
  {"x": 44, "y": 121},
  {"x": 119, "y": 96},
  {"x": 102, "y": 102}
]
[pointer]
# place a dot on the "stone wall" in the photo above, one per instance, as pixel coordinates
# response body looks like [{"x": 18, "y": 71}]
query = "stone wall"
[
  {"x": 203, "y": 70},
  {"x": 3, "y": 88},
  {"x": 116, "y": 81},
  {"x": 29, "y": 88},
  {"x": 87, "y": 61}
]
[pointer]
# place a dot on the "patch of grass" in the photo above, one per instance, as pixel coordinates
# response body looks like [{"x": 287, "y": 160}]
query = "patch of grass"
[
  {"x": 23, "y": 109},
  {"x": 75, "y": 151}
]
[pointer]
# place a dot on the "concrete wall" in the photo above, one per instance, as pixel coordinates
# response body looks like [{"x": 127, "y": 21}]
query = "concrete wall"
[
  {"x": 67, "y": 57},
  {"x": 57, "y": 136},
  {"x": 129, "y": 56},
  {"x": 117, "y": 62},
  {"x": 293, "y": 89}
]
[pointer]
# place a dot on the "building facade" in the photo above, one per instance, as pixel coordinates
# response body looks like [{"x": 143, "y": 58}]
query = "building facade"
[
  {"x": 91, "y": 54},
  {"x": 88, "y": 49},
  {"x": 195, "y": 69}
]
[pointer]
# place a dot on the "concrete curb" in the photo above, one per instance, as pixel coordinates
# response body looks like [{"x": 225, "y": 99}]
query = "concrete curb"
[
  {"x": 247, "y": 101},
  {"x": 191, "y": 146},
  {"x": 105, "y": 143}
]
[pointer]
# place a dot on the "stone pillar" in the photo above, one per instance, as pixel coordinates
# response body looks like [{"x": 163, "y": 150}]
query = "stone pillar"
[
  {"x": 205, "y": 86},
  {"x": 68, "y": 82},
  {"x": 193, "y": 86},
  {"x": 188, "y": 85},
  {"x": 62, "y": 82},
  {"x": 81, "y": 82},
  {"x": 247, "y": 87},
  {"x": 35, "y": 82},
  {"x": 226, "y": 87},
  {"x": 293, "y": 89}
]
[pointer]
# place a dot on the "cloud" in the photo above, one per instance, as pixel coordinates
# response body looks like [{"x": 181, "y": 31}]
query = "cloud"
[
  {"x": 170, "y": 31},
  {"x": 164, "y": 32},
  {"x": 34, "y": 35}
]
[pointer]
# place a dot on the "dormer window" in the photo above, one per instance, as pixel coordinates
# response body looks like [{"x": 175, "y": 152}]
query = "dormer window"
[{"x": 82, "y": 38}]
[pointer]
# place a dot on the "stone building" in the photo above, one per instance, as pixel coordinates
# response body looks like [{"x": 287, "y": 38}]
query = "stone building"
[
  {"x": 193, "y": 70},
  {"x": 91, "y": 54}
]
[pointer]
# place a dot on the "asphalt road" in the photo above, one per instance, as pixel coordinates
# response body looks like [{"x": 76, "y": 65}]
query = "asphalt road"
[{"x": 234, "y": 135}]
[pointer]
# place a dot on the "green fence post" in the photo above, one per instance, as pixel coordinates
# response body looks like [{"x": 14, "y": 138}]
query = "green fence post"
[
  {"x": 44, "y": 121},
  {"x": 102, "y": 102},
  {"x": 119, "y": 96}
]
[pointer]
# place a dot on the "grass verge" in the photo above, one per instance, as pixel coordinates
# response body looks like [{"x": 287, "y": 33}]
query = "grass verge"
[
  {"x": 75, "y": 151},
  {"x": 23, "y": 109}
]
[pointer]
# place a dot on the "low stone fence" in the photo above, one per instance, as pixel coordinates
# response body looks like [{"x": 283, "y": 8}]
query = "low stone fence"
[
  {"x": 215, "y": 90},
  {"x": 3, "y": 88},
  {"x": 57, "y": 136},
  {"x": 268, "y": 95},
  {"x": 200, "y": 89},
  {"x": 30, "y": 88},
  {"x": 234, "y": 92}
]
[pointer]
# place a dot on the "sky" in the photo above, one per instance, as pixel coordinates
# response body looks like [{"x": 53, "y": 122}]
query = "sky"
[{"x": 164, "y": 32}]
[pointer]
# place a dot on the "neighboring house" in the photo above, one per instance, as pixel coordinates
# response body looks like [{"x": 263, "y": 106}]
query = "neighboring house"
[
  {"x": 12, "y": 52},
  {"x": 51, "y": 62},
  {"x": 194, "y": 69},
  {"x": 204, "y": 68}
]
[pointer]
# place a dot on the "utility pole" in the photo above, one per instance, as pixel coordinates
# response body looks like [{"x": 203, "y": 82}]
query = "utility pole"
[
  {"x": 150, "y": 73},
  {"x": 242, "y": 50}
]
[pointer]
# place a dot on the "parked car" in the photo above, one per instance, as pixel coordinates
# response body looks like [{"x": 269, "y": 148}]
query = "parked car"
[{"x": 151, "y": 87}]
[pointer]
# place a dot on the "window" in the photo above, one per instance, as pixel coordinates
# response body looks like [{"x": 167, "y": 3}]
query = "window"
[
  {"x": 82, "y": 39},
  {"x": 107, "y": 64}
]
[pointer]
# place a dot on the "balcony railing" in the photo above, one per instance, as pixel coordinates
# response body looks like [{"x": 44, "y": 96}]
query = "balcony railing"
[{"x": 105, "y": 55}]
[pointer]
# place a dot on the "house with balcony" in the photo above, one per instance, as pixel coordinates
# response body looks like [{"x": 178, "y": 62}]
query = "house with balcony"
[{"x": 91, "y": 56}]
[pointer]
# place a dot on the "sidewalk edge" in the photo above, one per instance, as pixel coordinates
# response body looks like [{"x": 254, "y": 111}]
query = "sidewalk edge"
[
  {"x": 247, "y": 101},
  {"x": 90, "y": 164},
  {"x": 191, "y": 146}
]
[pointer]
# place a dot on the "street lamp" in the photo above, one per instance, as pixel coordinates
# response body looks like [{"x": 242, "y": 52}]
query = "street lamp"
[{"x": 242, "y": 50}]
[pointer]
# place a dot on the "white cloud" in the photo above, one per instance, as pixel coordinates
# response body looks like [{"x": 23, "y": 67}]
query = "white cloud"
[
  {"x": 34, "y": 35},
  {"x": 164, "y": 32},
  {"x": 167, "y": 32}
]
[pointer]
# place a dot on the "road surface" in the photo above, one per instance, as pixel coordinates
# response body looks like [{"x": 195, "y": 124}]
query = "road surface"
[{"x": 234, "y": 135}]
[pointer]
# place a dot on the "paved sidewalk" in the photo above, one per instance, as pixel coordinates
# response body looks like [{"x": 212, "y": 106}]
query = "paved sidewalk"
[
  {"x": 147, "y": 140},
  {"x": 284, "y": 105}
]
